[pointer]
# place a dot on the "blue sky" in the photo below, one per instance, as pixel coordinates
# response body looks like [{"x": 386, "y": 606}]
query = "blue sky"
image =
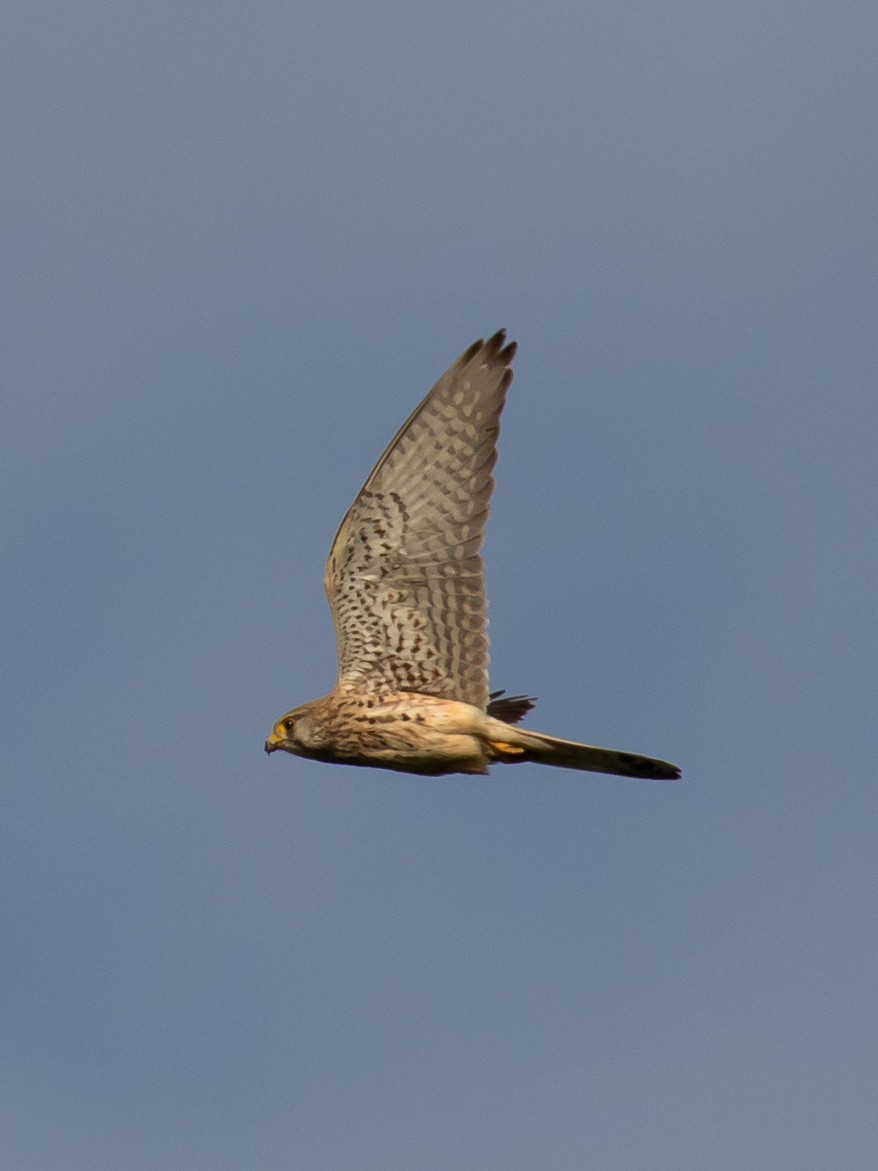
[{"x": 240, "y": 244}]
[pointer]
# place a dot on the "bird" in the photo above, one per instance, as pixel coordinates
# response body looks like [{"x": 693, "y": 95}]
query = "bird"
[{"x": 406, "y": 586}]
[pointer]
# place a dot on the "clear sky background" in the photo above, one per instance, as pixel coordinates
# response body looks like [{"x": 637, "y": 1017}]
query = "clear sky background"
[{"x": 240, "y": 243}]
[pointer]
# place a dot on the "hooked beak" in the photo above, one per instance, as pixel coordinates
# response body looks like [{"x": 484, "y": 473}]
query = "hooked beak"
[{"x": 271, "y": 746}]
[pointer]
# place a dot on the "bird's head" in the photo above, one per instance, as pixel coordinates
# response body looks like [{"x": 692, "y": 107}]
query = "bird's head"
[{"x": 296, "y": 732}]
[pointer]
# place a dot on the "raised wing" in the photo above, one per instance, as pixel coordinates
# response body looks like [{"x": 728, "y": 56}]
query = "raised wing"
[{"x": 404, "y": 578}]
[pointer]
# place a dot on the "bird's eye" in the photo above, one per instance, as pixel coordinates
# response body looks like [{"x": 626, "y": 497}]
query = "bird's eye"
[{"x": 288, "y": 724}]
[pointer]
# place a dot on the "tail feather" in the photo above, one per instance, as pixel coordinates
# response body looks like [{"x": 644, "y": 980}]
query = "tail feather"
[{"x": 521, "y": 744}]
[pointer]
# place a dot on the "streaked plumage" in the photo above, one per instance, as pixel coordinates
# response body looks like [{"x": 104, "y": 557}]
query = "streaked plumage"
[{"x": 405, "y": 584}]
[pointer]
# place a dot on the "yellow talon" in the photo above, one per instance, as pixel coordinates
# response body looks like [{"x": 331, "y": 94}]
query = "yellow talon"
[{"x": 511, "y": 749}]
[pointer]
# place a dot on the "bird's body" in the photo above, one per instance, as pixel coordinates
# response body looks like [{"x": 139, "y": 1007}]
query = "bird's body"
[
  {"x": 405, "y": 583},
  {"x": 402, "y": 730}
]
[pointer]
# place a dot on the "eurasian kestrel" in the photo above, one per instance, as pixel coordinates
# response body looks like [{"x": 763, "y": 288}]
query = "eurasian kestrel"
[{"x": 405, "y": 583}]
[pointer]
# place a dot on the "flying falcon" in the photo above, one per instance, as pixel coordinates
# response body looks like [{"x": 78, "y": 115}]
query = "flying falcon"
[{"x": 406, "y": 587}]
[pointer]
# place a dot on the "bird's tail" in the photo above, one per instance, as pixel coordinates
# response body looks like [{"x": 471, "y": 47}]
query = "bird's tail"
[{"x": 511, "y": 745}]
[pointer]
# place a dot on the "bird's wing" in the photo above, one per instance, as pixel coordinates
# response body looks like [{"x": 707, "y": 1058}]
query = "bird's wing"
[{"x": 404, "y": 578}]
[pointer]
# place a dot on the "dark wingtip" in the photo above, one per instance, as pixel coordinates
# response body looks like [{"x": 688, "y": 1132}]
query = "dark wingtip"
[
  {"x": 497, "y": 347},
  {"x": 511, "y": 709}
]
